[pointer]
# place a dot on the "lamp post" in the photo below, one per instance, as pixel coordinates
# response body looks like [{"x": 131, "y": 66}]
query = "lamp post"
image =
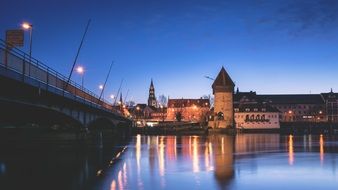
[
  {"x": 290, "y": 115},
  {"x": 162, "y": 113},
  {"x": 137, "y": 112},
  {"x": 112, "y": 97},
  {"x": 28, "y": 26},
  {"x": 80, "y": 70},
  {"x": 101, "y": 88}
]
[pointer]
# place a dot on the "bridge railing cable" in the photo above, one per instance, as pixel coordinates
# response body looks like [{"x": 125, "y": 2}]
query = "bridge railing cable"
[{"x": 20, "y": 62}]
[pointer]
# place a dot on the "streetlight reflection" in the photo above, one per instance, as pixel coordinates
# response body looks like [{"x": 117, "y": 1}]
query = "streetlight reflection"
[{"x": 291, "y": 156}]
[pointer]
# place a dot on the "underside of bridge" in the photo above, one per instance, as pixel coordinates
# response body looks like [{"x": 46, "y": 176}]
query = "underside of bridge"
[
  {"x": 15, "y": 114},
  {"x": 34, "y": 112}
]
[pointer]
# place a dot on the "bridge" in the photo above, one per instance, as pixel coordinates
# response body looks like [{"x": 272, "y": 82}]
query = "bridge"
[{"x": 31, "y": 92}]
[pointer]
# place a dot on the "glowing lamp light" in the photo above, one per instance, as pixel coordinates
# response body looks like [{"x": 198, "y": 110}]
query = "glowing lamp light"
[
  {"x": 26, "y": 25},
  {"x": 101, "y": 87},
  {"x": 290, "y": 112},
  {"x": 80, "y": 69},
  {"x": 320, "y": 112},
  {"x": 138, "y": 108},
  {"x": 112, "y": 96}
]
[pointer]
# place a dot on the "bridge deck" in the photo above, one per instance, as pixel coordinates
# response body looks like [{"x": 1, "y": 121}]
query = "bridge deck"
[{"x": 17, "y": 65}]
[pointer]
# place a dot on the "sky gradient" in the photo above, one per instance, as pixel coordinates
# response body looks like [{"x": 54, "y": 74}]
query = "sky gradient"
[{"x": 271, "y": 47}]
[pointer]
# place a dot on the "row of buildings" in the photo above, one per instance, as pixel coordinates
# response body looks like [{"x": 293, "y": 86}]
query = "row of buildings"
[{"x": 246, "y": 110}]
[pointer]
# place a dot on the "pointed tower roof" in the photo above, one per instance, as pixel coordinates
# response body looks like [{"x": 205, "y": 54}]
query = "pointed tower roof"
[
  {"x": 121, "y": 100},
  {"x": 151, "y": 83},
  {"x": 223, "y": 82}
]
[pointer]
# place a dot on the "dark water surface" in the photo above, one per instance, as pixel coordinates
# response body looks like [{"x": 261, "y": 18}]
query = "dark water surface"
[{"x": 246, "y": 161}]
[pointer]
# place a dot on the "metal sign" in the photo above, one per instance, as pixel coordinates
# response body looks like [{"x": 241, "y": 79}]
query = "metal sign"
[{"x": 15, "y": 37}]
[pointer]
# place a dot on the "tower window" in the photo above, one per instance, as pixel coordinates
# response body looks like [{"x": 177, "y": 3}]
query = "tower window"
[{"x": 220, "y": 116}]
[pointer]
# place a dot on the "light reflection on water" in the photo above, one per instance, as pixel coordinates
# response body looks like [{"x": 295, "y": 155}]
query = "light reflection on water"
[{"x": 246, "y": 161}]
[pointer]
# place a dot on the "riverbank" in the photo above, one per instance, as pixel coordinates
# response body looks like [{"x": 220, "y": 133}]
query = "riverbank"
[
  {"x": 286, "y": 128},
  {"x": 46, "y": 138}
]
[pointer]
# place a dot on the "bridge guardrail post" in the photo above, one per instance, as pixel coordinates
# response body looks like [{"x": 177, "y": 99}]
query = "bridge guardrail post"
[
  {"x": 23, "y": 68},
  {"x": 47, "y": 78},
  {"x": 6, "y": 56}
]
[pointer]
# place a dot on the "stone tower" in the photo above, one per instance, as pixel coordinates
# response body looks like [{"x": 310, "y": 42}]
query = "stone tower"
[
  {"x": 152, "y": 98},
  {"x": 223, "y": 90}
]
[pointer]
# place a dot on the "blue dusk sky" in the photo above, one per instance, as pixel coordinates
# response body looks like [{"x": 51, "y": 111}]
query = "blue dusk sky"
[{"x": 268, "y": 46}]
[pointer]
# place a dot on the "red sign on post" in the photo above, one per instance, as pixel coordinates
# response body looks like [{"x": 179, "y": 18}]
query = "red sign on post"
[{"x": 15, "y": 38}]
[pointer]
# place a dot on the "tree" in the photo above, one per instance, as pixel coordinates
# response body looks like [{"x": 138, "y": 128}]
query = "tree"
[
  {"x": 130, "y": 103},
  {"x": 211, "y": 99},
  {"x": 178, "y": 116},
  {"x": 162, "y": 100}
]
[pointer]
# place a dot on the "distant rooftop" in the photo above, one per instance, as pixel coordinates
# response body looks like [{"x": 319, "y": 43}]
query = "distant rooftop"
[{"x": 292, "y": 98}]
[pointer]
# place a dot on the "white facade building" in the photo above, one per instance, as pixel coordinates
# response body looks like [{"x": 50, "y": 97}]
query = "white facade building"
[{"x": 256, "y": 118}]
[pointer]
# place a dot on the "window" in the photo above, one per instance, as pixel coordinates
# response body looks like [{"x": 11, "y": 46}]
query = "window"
[
  {"x": 258, "y": 117},
  {"x": 263, "y": 109},
  {"x": 220, "y": 116},
  {"x": 247, "y": 117},
  {"x": 255, "y": 109},
  {"x": 247, "y": 109},
  {"x": 263, "y": 117}
]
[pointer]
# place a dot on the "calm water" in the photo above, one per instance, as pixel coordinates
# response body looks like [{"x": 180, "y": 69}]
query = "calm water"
[
  {"x": 252, "y": 161},
  {"x": 247, "y": 161}
]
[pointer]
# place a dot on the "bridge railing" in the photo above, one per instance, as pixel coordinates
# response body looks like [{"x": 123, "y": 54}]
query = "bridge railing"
[{"x": 20, "y": 62}]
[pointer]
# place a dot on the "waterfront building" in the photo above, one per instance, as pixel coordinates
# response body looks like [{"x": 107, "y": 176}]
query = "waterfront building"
[
  {"x": 189, "y": 110},
  {"x": 142, "y": 111},
  {"x": 252, "y": 113},
  {"x": 298, "y": 107},
  {"x": 159, "y": 114},
  {"x": 331, "y": 106},
  {"x": 302, "y": 108},
  {"x": 223, "y": 90}
]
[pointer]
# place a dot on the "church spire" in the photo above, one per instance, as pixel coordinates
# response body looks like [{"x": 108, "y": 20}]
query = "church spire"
[
  {"x": 121, "y": 100},
  {"x": 152, "y": 98}
]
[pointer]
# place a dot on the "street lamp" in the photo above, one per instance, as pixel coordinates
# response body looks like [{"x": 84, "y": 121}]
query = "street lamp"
[
  {"x": 161, "y": 106},
  {"x": 28, "y": 26},
  {"x": 290, "y": 115},
  {"x": 80, "y": 70},
  {"x": 101, "y": 88},
  {"x": 137, "y": 111}
]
